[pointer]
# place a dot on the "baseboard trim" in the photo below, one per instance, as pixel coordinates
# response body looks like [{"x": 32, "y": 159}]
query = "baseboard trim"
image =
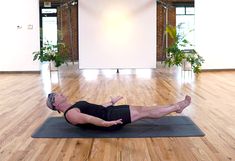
[
  {"x": 20, "y": 72},
  {"x": 216, "y": 70}
]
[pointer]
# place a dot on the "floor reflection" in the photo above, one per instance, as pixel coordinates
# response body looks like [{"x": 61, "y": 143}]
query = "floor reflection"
[
  {"x": 55, "y": 79},
  {"x": 144, "y": 73},
  {"x": 90, "y": 74},
  {"x": 48, "y": 77}
]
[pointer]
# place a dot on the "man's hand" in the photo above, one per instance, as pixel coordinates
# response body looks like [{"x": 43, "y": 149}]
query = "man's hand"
[
  {"x": 116, "y": 99},
  {"x": 111, "y": 123},
  {"x": 113, "y": 101}
]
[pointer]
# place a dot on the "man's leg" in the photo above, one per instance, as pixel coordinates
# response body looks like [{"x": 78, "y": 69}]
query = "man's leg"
[{"x": 140, "y": 112}]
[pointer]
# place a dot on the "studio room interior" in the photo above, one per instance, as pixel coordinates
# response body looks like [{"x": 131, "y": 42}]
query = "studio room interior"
[{"x": 117, "y": 80}]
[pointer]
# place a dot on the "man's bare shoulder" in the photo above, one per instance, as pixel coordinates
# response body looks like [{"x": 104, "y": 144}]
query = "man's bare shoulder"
[{"x": 75, "y": 116}]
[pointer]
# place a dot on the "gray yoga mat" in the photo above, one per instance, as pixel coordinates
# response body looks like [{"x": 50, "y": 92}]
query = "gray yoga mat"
[{"x": 168, "y": 126}]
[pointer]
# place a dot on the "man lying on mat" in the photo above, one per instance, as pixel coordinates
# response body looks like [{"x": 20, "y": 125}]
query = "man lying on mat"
[{"x": 108, "y": 116}]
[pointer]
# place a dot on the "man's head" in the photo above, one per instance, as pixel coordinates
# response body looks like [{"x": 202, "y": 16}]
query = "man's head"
[
  {"x": 56, "y": 101},
  {"x": 51, "y": 101}
]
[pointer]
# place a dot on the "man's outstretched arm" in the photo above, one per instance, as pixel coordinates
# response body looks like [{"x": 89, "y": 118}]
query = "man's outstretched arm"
[{"x": 81, "y": 118}]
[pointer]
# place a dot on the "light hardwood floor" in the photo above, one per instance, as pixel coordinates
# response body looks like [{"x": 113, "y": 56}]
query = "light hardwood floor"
[{"x": 22, "y": 110}]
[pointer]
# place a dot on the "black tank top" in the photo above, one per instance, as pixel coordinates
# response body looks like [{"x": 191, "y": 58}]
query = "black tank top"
[{"x": 90, "y": 109}]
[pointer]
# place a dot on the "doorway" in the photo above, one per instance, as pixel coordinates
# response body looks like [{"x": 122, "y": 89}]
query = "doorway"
[{"x": 48, "y": 25}]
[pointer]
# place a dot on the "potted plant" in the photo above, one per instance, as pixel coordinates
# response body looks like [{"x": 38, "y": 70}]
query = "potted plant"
[
  {"x": 179, "y": 57},
  {"x": 58, "y": 54}
]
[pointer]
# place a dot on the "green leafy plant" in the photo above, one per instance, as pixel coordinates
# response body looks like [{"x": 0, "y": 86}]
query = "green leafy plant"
[
  {"x": 53, "y": 53},
  {"x": 176, "y": 56}
]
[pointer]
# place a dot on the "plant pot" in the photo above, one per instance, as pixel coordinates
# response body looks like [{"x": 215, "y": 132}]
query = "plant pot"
[
  {"x": 52, "y": 66},
  {"x": 186, "y": 66}
]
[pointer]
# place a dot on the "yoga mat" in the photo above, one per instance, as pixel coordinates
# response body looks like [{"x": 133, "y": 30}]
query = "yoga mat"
[{"x": 168, "y": 126}]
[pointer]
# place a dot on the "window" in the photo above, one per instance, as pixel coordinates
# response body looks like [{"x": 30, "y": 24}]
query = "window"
[
  {"x": 48, "y": 11},
  {"x": 185, "y": 16},
  {"x": 180, "y": 10},
  {"x": 189, "y": 10}
]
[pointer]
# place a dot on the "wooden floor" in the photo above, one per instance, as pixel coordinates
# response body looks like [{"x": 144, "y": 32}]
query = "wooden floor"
[{"x": 23, "y": 109}]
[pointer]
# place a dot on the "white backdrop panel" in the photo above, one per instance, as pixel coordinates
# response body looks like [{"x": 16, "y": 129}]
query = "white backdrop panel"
[
  {"x": 117, "y": 33},
  {"x": 214, "y": 33}
]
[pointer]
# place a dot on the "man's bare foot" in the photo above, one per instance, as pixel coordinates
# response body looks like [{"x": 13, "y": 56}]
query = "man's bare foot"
[{"x": 183, "y": 104}]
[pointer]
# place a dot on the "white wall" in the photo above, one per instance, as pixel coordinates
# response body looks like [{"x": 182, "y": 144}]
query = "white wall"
[
  {"x": 214, "y": 31},
  {"x": 117, "y": 33},
  {"x": 17, "y": 45}
]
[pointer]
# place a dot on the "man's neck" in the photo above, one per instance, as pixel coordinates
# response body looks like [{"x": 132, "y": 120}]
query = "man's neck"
[{"x": 64, "y": 106}]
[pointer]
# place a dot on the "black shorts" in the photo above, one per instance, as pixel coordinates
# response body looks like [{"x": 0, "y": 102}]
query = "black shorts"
[{"x": 119, "y": 112}]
